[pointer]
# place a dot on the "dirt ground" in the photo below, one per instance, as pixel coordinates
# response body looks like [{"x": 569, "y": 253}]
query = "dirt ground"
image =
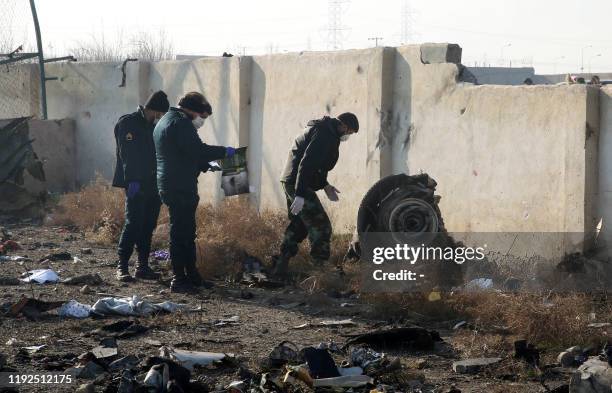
[{"x": 266, "y": 318}]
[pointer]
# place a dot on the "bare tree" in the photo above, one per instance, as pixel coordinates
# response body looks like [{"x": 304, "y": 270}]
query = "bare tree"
[{"x": 142, "y": 45}]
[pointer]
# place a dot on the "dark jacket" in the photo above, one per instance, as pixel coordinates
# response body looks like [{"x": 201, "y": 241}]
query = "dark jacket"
[
  {"x": 181, "y": 154},
  {"x": 135, "y": 152},
  {"x": 313, "y": 155}
]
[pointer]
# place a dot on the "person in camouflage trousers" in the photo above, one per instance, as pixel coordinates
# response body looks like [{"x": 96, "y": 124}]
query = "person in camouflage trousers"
[{"x": 313, "y": 155}]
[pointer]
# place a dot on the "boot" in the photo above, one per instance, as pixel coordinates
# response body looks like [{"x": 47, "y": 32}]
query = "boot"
[
  {"x": 144, "y": 271},
  {"x": 180, "y": 283},
  {"x": 196, "y": 279},
  {"x": 123, "y": 271},
  {"x": 280, "y": 267}
]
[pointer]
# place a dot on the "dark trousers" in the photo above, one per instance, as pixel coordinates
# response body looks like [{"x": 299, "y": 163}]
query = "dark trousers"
[
  {"x": 141, "y": 213},
  {"x": 311, "y": 222},
  {"x": 182, "y": 208}
]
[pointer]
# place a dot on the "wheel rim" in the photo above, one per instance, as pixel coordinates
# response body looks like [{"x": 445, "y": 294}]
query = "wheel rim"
[{"x": 413, "y": 215}]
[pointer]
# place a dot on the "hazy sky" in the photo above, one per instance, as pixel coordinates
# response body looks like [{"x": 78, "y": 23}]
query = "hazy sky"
[{"x": 548, "y": 34}]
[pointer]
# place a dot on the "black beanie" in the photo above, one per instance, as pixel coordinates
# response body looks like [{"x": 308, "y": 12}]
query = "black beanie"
[
  {"x": 158, "y": 102},
  {"x": 350, "y": 120}
]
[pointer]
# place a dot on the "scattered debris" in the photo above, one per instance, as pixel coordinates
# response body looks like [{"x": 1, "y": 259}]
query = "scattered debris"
[
  {"x": 40, "y": 276},
  {"x": 106, "y": 349},
  {"x": 355, "y": 381},
  {"x": 572, "y": 357},
  {"x": 411, "y": 337},
  {"x": 58, "y": 256},
  {"x": 121, "y": 329},
  {"x": 33, "y": 349},
  {"x": 85, "y": 279},
  {"x": 126, "y": 362},
  {"x": 189, "y": 359},
  {"x": 32, "y": 308},
  {"x": 74, "y": 309},
  {"x": 86, "y": 251},
  {"x": 283, "y": 353},
  {"x": 320, "y": 363},
  {"x": 133, "y": 306},
  {"x": 594, "y": 376},
  {"x": 365, "y": 357},
  {"x": 168, "y": 371},
  {"x": 470, "y": 366},
  {"x": 77, "y": 260},
  {"x": 9, "y": 246},
  {"x": 344, "y": 322},
  {"x": 160, "y": 255},
  {"x": 227, "y": 321},
  {"x": 86, "y": 290},
  {"x": 479, "y": 284},
  {"x": 12, "y": 258}
]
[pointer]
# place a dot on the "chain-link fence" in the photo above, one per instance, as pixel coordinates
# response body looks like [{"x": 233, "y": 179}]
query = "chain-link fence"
[{"x": 19, "y": 81}]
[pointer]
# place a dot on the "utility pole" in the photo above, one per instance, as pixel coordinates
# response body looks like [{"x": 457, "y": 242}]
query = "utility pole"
[
  {"x": 375, "y": 39},
  {"x": 335, "y": 28}
]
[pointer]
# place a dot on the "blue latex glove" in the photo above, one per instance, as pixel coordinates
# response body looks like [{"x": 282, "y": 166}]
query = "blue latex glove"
[
  {"x": 229, "y": 152},
  {"x": 133, "y": 189}
]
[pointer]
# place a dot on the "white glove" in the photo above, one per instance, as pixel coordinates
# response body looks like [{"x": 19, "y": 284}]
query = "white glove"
[
  {"x": 332, "y": 193},
  {"x": 297, "y": 205}
]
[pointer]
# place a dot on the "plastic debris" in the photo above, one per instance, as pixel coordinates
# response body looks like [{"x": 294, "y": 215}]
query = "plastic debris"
[
  {"x": 77, "y": 260},
  {"x": 320, "y": 363},
  {"x": 161, "y": 255},
  {"x": 74, "y": 309},
  {"x": 479, "y": 284},
  {"x": 189, "y": 359},
  {"x": 365, "y": 357},
  {"x": 12, "y": 258},
  {"x": 344, "y": 322},
  {"x": 354, "y": 381},
  {"x": 33, "y": 348},
  {"x": 41, "y": 276},
  {"x": 132, "y": 306}
]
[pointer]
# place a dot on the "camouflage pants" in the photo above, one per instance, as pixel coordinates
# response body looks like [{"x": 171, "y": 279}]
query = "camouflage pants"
[{"x": 311, "y": 222}]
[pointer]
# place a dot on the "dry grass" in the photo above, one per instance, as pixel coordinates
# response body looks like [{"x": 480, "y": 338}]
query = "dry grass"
[
  {"x": 98, "y": 210},
  {"x": 227, "y": 233}
]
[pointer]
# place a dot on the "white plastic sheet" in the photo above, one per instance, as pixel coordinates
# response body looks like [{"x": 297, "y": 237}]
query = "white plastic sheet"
[{"x": 41, "y": 276}]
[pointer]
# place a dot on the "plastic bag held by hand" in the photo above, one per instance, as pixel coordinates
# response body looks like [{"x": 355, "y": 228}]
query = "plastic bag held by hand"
[
  {"x": 332, "y": 193},
  {"x": 133, "y": 189},
  {"x": 297, "y": 205}
]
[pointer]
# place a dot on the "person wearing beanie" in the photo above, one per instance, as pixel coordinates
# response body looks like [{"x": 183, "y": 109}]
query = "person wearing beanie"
[
  {"x": 135, "y": 171},
  {"x": 181, "y": 156},
  {"x": 313, "y": 154}
]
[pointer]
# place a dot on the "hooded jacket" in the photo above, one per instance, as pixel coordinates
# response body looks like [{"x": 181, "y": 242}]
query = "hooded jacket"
[{"x": 313, "y": 155}]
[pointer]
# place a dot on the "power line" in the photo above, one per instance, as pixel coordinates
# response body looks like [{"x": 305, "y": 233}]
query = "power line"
[{"x": 336, "y": 31}]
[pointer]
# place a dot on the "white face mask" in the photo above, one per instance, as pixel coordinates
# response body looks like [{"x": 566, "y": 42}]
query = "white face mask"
[
  {"x": 345, "y": 137},
  {"x": 198, "y": 122}
]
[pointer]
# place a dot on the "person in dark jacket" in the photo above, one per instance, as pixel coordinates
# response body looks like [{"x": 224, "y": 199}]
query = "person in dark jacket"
[
  {"x": 135, "y": 172},
  {"x": 181, "y": 156},
  {"x": 313, "y": 155}
]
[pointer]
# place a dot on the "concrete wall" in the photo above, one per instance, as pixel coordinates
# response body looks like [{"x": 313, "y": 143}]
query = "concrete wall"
[
  {"x": 506, "y": 158},
  {"x": 55, "y": 145},
  {"x": 89, "y": 94},
  {"x": 501, "y": 75}
]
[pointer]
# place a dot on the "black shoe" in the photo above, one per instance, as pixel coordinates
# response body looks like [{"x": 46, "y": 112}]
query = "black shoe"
[
  {"x": 196, "y": 280},
  {"x": 123, "y": 272},
  {"x": 182, "y": 285},
  {"x": 280, "y": 267},
  {"x": 144, "y": 272}
]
